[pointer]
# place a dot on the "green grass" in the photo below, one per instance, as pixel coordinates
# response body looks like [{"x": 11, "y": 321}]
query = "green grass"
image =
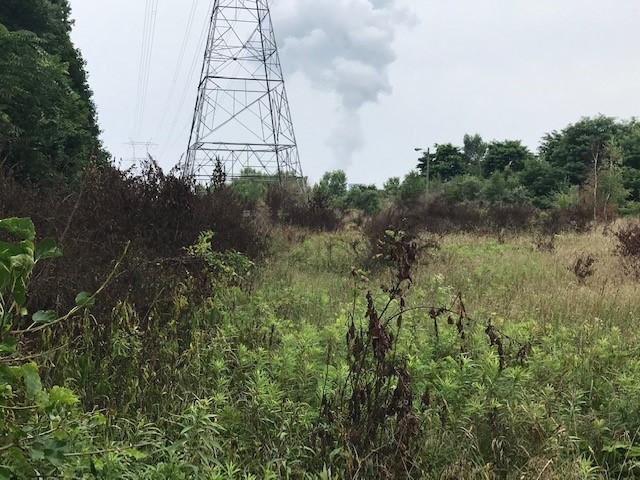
[{"x": 234, "y": 388}]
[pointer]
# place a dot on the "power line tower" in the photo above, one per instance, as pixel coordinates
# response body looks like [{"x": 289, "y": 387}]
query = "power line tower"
[
  {"x": 137, "y": 158},
  {"x": 242, "y": 117}
]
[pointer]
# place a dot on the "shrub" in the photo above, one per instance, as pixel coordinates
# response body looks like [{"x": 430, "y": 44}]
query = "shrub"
[
  {"x": 39, "y": 427},
  {"x": 159, "y": 285},
  {"x": 545, "y": 243},
  {"x": 160, "y": 214},
  {"x": 583, "y": 267},
  {"x": 628, "y": 248},
  {"x": 437, "y": 215},
  {"x": 289, "y": 205},
  {"x": 577, "y": 218}
]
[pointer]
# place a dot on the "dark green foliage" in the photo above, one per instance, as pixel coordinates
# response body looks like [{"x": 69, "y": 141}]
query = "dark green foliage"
[
  {"x": 50, "y": 21},
  {"x": 631, "y": 178},
  {"x": 363, "y": 197},
  {"x": 46, "y": 132},
  {"x": 599, "y": 156},
  {"x": 572, "y": 151},
  {"x": 541, "y": 181},
  {"x": 447, "y": 162},
  {"x": 508, "y": 155},
  {"x": 499, "y": 188},
  {"x": 412, "y": 188},
  {"x": 392, "y": 187},
  {"x": 331, "y": 189},
  {"x": 465, "y": 188},
  {"x": 47, "y": 119},
  {"x": 504, "y": 188},
  {"x": 629, "y": 143}
]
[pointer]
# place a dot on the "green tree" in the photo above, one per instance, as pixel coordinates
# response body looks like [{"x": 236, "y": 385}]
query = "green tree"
[
  {"x": 413, "y": 187},
  {"x": 252, "y": 185},
  {"x": 331, "y": 189},
  {"x": 464, "y": 188},
  {"x": 447, "y": 162},
  {"x": 541, "y": 180},
  {"x": 363, "y": 197},
  {"x": 612, "y": 190},
  {"x": 507, "y": 155},
  {"x": 475, "y": 149},
  {"x": 629, "y": 144},
  {"x": 392, "y": 187},
  {"x": 631, "y": 179},
  {"x": 503, "y": 188},
  {"x": 574, "y": 150},
  {"x": 46, "y": 126},
  {"x": 51, "y": 21}
]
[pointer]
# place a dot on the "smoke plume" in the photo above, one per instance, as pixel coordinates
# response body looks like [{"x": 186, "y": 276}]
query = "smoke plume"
[{"x": 343, "y": 47}]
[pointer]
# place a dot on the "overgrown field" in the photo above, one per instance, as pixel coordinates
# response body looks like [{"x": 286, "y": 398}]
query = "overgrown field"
[{"x": 479, "y": 357}]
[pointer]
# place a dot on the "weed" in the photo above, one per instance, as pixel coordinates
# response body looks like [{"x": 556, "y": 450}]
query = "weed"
[
  {"x": 545, "y": 243},
  {"x": 628, "y": 248},
  {"x": 372, "y": 414},
  {"x": 583, "y": 267}
]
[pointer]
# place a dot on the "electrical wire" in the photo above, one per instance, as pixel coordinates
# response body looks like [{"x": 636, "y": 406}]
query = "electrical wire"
[
  {"x": 197, "y": 54},
  {"x": 149, "y": 61},
  {"x": 178, "y": 68},
  {"x": 141, "y": 63},
  {"x": 146, "y": 55}
]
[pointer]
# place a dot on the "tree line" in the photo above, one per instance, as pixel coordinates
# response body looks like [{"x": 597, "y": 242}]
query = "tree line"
[{"x": 594, "y": 161}]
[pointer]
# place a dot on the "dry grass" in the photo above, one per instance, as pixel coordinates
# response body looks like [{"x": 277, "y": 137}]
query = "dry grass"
[{"x": 512, "y": 279}]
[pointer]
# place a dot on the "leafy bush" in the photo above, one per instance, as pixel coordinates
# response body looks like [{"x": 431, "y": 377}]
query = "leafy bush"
[{"x": 39, "y": 428}]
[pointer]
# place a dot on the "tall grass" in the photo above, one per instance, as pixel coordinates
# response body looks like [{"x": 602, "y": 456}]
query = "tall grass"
[{"x": 517, "y": 368}]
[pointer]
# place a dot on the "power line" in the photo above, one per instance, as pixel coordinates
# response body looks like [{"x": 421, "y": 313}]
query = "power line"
[
  {"x": 178, "y": 69},
  {"x": 149, "y": 60},
  {"x": 141, "y": 63},
  {"x": 188, "y": 84},
  {"x": 146, "y": 54}
]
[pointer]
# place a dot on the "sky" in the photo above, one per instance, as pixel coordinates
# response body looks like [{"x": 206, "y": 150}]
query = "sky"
[{"x": 370, "y": 80}]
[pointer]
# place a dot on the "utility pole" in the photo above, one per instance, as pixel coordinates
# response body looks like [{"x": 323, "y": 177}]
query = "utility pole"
[{"x": 242, "y": 118}]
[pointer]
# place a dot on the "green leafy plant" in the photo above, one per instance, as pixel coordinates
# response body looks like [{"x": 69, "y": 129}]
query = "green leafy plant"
[
  {"x": 41, "y": 430},
  {"x": 227, "y": 268}
]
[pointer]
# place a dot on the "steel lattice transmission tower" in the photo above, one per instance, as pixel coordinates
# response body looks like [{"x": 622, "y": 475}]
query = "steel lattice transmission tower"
[{"x": 242, "y": 115}]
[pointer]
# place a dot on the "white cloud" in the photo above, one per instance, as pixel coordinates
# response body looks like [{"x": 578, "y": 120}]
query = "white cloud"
[{"x": 344, "y": 47}]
